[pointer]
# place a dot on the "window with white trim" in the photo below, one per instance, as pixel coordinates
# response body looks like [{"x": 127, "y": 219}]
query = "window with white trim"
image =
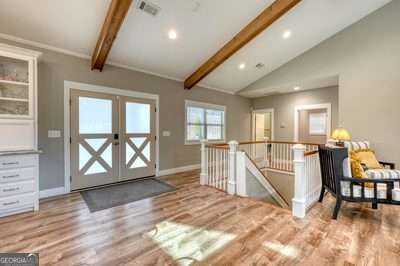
[
  {"x": 317, "y": 124},
  {"x": 204, "y": 121}
]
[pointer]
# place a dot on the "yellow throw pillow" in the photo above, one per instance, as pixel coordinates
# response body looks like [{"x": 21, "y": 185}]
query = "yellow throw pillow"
[
  {"x": 357, "y": 171},
  {"x": 367, "y": 158}
]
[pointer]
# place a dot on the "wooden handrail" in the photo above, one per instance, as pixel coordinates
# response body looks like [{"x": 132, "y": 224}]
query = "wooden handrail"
[
  {"x": 264, "y": 142},
  {"x": 218, "y": 147},
  {"x": 309, "y": 153}
]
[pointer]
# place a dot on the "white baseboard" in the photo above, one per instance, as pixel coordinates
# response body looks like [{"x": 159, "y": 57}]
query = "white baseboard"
[
  {"x": 178, "y": 169},
  {"x": 51, "y": 192},
  {"x": 61, "y": 190}
]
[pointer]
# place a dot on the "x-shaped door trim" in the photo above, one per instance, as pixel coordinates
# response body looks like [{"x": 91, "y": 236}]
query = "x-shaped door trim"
[
  {"x": 138, "y": 151},
  {"x": 96, "y": 155}
]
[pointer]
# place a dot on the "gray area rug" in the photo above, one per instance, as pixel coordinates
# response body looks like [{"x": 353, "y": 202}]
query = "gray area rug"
[{"x": 107, "y": 197}]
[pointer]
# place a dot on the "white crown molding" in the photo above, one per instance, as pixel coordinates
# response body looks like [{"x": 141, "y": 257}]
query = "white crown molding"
[
  {"x": 42, "y": 45},
  {"x": 111, "y": 63}
]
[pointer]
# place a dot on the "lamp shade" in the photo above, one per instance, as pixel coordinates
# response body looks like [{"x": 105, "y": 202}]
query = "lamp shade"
[{"x": 341, "y": 134}]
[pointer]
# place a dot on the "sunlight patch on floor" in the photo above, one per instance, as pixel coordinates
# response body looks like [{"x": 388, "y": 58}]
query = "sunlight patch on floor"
[
  {"x": 287, "y": 251},
  {"x": 187, "y": 244}
]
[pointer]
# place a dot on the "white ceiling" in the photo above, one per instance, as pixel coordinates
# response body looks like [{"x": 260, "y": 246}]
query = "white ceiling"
[
  {"x": 315, "y": 83},
  {"x": 203, "y": 27}
]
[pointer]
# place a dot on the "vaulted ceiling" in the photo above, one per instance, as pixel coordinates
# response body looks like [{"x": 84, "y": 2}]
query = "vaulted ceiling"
[{"x": 202, "y": 27}]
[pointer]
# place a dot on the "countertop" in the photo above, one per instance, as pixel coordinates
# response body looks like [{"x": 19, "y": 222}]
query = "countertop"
[{"x": 22, "y": 152}]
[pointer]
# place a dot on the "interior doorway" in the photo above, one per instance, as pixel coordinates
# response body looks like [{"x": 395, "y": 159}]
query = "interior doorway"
[
  {"x": 263, "y": 124},
  {"x": 313, "y": 123},
  {"x": 112, "y": 138}
]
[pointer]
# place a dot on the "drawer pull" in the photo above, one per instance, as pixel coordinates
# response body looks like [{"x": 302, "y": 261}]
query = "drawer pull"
[
  {"x": 11, "y": 163},
  {"x": 10, "y": 176},
  {"x": 10, "y": 203},
  {"x": 11, "y": 189}
]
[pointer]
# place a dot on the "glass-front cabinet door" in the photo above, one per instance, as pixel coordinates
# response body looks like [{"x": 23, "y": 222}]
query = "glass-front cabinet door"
[{"x": 16, "y": 99}]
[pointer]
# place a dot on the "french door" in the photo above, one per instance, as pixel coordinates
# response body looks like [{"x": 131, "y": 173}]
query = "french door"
[{"x": 112, "y": 138}]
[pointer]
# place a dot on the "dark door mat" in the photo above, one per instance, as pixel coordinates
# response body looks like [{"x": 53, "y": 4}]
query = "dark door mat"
[{"x": 115, "y": 195}]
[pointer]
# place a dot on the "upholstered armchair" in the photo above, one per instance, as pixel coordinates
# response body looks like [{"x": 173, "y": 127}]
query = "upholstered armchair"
[{"x": 377, "y": 187}]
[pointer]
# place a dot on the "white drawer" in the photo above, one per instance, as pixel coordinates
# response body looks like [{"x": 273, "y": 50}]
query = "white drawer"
[
  {"x": 17, "y": 161},
  {"x": 16, "y": 175},
  {"x": 12, "y": 189},
  {"x": 16, "y": 202}
]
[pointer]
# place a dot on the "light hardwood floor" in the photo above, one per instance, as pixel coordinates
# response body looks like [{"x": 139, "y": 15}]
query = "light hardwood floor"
[{"x": 200, "y": 225}]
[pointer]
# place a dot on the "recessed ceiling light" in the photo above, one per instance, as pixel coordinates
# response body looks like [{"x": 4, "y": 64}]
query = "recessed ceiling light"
[
  {"x": 172, "y": 35},
  {"x": 287, "y": 34},
  {"x": 297, "y": 88},
  {"x": 242, "y": 66}
]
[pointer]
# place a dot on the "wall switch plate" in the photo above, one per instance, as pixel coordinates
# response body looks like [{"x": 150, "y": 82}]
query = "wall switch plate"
[
  {"x": 54, "y": 134},
  {"x": 166, "y": 133}
]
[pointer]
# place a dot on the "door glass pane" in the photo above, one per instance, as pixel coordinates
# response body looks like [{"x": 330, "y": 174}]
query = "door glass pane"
[
  {"x": 195, "y": 115},
  {"x": 138, "y": 141},
  {"x": 14, "y": 70},
  {"x": 107, "y": 155},
  {"x": 13, "y": 107},
  {"x": 96, "y": 143},
  {"x": 129, "y": 152},
  {"x": 96, "y": 168},
  {"x": 146, "y": 151},
  {"x": 137, "y": 118},
  {"x": 95, "y": 116},
  {"x": 84, "y": 157},
  {"x": 214, "y": 132},
  {"x": 138, "y": 163},
  {"x": 195, "y": 132}
]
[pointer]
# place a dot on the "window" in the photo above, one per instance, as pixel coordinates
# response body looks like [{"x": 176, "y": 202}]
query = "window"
[
  {"x": 204, "y": 121},
  {"x": 317, "y": 124}
]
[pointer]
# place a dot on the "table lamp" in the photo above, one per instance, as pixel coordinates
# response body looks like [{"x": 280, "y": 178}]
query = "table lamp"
[{"x": 340, "y": 135}]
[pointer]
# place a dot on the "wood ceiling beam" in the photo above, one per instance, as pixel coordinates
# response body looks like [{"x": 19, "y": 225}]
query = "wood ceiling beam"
[
  {"x": 115, "y": 17},
  {"x": 259, "y": 24}
]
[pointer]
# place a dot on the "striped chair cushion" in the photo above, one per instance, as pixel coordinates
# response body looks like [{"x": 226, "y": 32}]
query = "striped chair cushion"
[
  {"x": 356, "y": 145},
  {"x": 383, "y": 174}
]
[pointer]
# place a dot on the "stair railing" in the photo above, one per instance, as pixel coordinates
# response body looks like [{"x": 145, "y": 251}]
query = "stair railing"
[{"x": 220, "y": 164}]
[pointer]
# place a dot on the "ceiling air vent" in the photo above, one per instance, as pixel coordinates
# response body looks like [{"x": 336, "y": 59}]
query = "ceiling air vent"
[
  {"x": 148, "y": 7},
  {"x": 260, "y": 65}
]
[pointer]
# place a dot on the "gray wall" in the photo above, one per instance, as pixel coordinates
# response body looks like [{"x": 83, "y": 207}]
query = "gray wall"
[
  {"x": 283, "y": 105},
  {"x": 54, "y": 68},
  {"x": 367, "y": 59}
]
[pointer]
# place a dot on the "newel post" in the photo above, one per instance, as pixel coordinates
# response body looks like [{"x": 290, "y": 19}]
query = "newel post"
[
  {"x": 204, "y": 163},
  {"x": 299, "y": 200},
  {"x": 204, "y": 166},
  {"x": 233, "y": 146}
]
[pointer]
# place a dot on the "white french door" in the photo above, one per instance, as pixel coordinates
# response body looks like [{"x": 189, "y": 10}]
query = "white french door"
[
  {"x": 112, "y": 138},
  {"x": 137, "y": 137}
]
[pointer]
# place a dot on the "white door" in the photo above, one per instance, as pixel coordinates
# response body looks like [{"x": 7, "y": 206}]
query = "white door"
[
  {"x": 112, "y": 138},
  {"x": 137, "y": 137},
  {"x": 94, "y": 150}
]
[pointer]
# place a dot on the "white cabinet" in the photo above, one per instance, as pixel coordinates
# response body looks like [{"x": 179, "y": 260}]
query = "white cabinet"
[{"x": 19, "y": 162}]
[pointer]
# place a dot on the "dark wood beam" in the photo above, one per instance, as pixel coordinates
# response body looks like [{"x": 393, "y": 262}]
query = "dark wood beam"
[
  {"x": 259, "y": 24},
  {"x": 115, "y": 17}
]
